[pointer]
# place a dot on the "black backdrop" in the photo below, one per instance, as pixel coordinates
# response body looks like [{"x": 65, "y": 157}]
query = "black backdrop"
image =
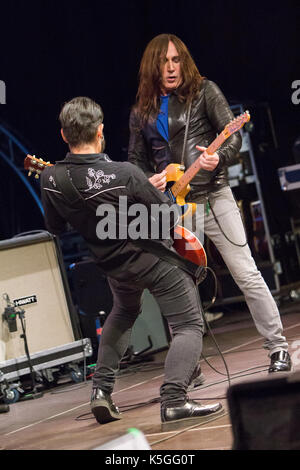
[{"x": 52, "y": 51}]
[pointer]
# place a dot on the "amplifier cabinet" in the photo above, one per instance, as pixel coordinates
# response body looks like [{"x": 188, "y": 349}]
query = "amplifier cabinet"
[
  {"x": 33, "y": 278},
  {"x": 92, "y": 294}
]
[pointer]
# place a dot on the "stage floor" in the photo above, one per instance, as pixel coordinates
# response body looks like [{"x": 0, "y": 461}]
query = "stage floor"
[{"x": 61, "y": 419}]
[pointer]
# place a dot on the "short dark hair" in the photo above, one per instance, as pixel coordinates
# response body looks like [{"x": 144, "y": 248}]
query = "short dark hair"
[{"x": 79, "y": 119}]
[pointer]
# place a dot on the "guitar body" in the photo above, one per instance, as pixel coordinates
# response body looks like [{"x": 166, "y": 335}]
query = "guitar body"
[
  {"x": 174, "y": 172},
  {"x": 189, "y": 246}
]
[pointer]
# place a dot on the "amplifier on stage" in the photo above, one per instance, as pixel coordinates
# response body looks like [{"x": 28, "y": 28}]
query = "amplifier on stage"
[
  {"x": 289, "y": 177},
  {"x": 39, "y": 327},
  {"x": 92, "y": 295},
  {"x": 33, "y": 279}
]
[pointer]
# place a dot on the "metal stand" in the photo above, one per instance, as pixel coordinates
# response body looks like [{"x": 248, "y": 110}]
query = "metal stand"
[
  {"x": 34, "y": 394},
  {"x": 10, "y": 314},
  {"x": 275, "y": 264}
]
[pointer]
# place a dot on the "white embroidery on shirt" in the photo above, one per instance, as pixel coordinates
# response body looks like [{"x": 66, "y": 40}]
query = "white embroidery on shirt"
[
  {"x": 52, "y": 180},
  {"x": 96, "y": 178}
]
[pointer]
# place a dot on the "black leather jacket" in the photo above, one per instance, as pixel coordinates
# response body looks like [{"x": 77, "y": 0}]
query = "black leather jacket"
[{"x": 210, "y": 113}]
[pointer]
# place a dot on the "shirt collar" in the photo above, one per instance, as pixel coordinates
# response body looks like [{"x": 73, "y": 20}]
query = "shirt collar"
[{"x": 84, "y": 158}]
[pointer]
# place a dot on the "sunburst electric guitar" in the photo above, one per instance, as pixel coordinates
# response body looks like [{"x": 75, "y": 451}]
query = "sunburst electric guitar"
[
  {"x": 185, "y": 243},
  {"x": 178, "y": 180}
]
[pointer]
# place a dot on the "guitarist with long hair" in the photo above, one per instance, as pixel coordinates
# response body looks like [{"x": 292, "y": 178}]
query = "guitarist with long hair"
[{"x": 175, "y": 120}]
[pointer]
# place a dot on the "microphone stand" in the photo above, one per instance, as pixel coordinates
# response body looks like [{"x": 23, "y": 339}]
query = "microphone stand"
[
  {"x": 35, "y": 393},
  {"x": 9, "y": 315}
]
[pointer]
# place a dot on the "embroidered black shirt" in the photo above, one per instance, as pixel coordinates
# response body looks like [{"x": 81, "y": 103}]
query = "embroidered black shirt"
[{"x": 121, "y": 204}]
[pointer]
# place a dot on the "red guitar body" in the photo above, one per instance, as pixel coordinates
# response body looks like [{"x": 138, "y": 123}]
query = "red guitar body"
[{"x": 189, "y": 246}]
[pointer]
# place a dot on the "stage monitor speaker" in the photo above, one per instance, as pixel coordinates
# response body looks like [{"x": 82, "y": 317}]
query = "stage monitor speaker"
[
  {"x": 92, "y": 294},
  {"x": 32, "y": 278},
  {"x": 150, "y": 332},
  {"x": 90, "y": 288},
  {"x": 265, "y": 414}
]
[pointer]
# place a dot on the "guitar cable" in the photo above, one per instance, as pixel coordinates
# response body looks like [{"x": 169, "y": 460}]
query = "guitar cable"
[
  {"x": 215, "y": 292},
  {"x": 209, "y": 206},
  {"x": 209, "y": 328},
  {"x": 222, "y": 231}
]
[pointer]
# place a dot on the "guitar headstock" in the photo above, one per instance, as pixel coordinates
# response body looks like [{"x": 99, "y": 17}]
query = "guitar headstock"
[
  {"x": 236, "y": 124},
  {"x": 35, "y": 165}
]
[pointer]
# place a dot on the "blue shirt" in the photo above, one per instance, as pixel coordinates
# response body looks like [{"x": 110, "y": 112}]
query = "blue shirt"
[{"x": 162, "y": 119}]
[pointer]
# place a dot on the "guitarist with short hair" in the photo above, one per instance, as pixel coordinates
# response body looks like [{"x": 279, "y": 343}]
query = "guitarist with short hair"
[
  {"x": 85, "y": 190},
  {"x": 178, "y": 113}
]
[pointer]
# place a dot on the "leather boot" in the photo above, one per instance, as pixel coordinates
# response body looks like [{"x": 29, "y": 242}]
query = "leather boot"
[
  {"x": 188, "y": 414},
  {"x": 103, "y": 408},
  {"x": 280, "y": 362}
]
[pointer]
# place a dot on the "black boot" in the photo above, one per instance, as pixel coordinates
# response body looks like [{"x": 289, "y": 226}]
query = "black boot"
[
  {"x": 280, "y": 362},
  {"x": 188, "y": 414},
  {"x": 103, "y": 408}
]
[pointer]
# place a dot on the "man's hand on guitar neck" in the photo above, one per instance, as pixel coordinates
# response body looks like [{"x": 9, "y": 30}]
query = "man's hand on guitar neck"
[
  {"x": 208, "y": 162},
  {"x": 159, "y": 180}
]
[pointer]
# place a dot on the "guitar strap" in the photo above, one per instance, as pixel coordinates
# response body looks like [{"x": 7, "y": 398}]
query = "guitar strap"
[
  {"x": 69, "y": 191},
  {"x": 186, "y": 133},
  {"x": 165, "y": 253},
  {"x": 73, "y": 196}
]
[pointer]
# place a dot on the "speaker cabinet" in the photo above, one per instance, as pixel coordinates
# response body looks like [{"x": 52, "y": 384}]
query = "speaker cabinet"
[
  {"x": 150, "y": 332},
  {"x": 90, "y": 288},
  {"x": 32, "y": 278},
  {"x": 265, "y": 414},
  {"x": 92, "y": 294}
]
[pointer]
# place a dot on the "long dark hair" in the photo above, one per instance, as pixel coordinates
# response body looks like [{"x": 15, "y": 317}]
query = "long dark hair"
[{"x": 149, "y": 89}]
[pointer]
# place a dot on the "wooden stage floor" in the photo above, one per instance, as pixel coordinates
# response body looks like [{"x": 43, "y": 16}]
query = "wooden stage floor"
[{"x": 61, "y": 419}]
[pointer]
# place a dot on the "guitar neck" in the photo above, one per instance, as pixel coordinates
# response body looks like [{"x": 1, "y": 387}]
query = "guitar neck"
[{"x": 184, "y": 180}]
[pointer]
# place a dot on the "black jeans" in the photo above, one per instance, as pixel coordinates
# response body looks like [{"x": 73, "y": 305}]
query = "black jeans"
[{"x": 179, "y": 302}]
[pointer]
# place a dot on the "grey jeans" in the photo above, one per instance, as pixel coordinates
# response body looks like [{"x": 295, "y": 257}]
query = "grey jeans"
[
  {"x": 179, "y": 302},
  {"x": 242, "y": 266}
]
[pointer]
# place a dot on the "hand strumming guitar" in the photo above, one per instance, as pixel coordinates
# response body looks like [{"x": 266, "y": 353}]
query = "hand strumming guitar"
[{"x": 159, "y": 180}]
